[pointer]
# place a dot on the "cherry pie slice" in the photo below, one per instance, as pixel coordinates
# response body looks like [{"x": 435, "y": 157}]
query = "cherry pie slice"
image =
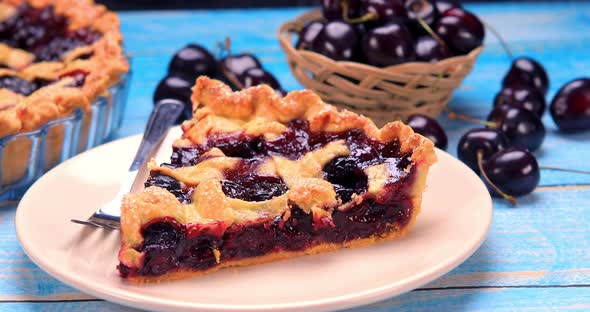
[{"x": 258, "y": 178}]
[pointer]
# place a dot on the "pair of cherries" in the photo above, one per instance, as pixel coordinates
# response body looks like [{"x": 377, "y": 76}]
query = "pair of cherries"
[
  {"x": 508, "y": 169},
  {"x": 242, "y": 70},
  {"x": 389, "y": 32}
]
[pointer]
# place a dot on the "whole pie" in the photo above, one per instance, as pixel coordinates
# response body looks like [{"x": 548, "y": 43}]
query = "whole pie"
[
  {"x": 257, "y": 178},
  {"x": 56, "y": 56}
]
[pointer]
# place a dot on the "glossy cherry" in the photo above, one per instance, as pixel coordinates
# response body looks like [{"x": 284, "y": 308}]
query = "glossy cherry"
[
  {"x": 424, "y": 10},
  {"x": 444, "y": 5},
  {"x": 236, "y": 65},
  {"x": 178, "y": 87},
  {"x": 333, "y": 9},
  {"x": 429, "y": 128},
  {"x": 308, "y": 34},
  {"x": 347, "y": 177},
  {"x": 525, "y": 70},
  {"x": 484, "y": 140},
  {"x": 389, "y": 45},
  {"x": 514, "y": 171},
  {"x": 338, "y": 41},
  {"x": 522, "y": 96},
  {"x": 522, "y": 127},
  {"x": 257, "y": 76},
  {"x": 570, "y": 108},
  {"x": 381, "y": 12},
  {"x": 461, "y": 30},
  {"x": 174, "y": 86},
  {"x": 429, "y": 49},
  {"x": 193, "y": 60}
]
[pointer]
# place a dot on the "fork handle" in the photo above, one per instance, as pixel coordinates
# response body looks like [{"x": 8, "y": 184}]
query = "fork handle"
[{"x": 163, "y": 116}]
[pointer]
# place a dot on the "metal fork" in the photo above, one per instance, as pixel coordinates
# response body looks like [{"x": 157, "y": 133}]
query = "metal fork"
[{"x": 164, "y": 115}]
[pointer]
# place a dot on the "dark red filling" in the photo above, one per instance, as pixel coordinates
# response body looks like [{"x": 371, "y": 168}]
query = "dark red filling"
[
  {"x": 167, "y": 246},
  {"x": 17, "y": 85},
  {"x": 24, "y": 87},
  {"x": 43, "y": 33}
]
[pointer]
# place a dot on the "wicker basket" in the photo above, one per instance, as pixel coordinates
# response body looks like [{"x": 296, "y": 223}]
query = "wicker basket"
[{"x": 382, "y": 94}]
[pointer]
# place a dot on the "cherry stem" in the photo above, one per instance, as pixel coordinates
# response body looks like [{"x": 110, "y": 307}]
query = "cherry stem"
[
  {"x": 365, "y": 18},
  {"x": 453, "y": 115},
  {"x": 229, "y": 75},
  {"x": 431, "y": 32},
  {"x": 564, "y": 169},
  {"x": 227, "y": 44},
  {"x": 500, "y": 38},
  {"x": 344, "y": 9},
  {"x": 507, "y": 197}
]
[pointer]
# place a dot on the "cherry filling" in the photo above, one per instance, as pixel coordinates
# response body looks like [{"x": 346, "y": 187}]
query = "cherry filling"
[
  {"x": 43, "y": 33},
  {"x": 183, "y": 194},
  {"x": 347, "y": 177},
  {"x": 294, "y": 231},
  {"x": 79, "y": 77},
  {"x": 17, "y": 85},
  {"x": 24, "y": 87},
  {"x": 242, "y": 182}
]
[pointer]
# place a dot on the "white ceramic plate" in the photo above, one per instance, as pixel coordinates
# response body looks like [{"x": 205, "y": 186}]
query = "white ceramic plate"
[{"x": 455, "y": 217}]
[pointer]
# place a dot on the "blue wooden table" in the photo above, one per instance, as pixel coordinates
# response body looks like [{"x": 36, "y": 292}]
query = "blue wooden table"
[{"x": 536, "y": 257}]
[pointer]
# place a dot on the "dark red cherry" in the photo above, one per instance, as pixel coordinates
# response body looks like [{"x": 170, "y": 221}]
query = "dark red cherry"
[
  {"x": 333, "y": 10},
  {"x": 382, "y": 11},
  {"x": 389, "y": 45},
  {"x": 525, "y": 70},
  {"x": 429, "y": 49},
  {"x": 424, "y": 10},
  {"x": 337, "y": 41},
  {"x": 178, "y": 87},
  {"x": 308, "y": 34},
  {"x": 461, "y": 30},
  {"x": 193, "y": 60},
  {"x": 347, "y": 177},
  {"x": 444, "y": 5},
  {"x": 522, "y": 127},
  {"x": 570, "y": 107},
  {"x": 485, "y": 140},
  {"x": 514, "y": 171},
  {"x": 522, "y": 96},
  {"x": 237, "y": 64},
  {"x": 174, "y": 86},
  {"x": 429, "y": 128},
  {"x": 258, "y": 76}
]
